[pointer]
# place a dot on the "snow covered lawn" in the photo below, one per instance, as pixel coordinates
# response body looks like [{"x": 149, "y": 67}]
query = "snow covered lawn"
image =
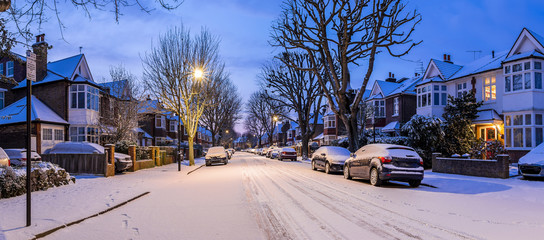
[{"x": 89, "y": 195}]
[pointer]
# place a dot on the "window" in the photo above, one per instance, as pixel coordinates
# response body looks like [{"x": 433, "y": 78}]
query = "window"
[
  {"x": 525, "y": 130},
  {"x": 518, "y": 137},
  {"x": 490, "y": 89},
  {"x": 527, "y": 80},
  {"x": 396, "y": 106},
  {"x": 518, "y": 120},
  {"x": 507, "y": 120},
  {"x": 9, "y": 68},
  {"x": 59, "y": 135},
  {"x": 516, "y": 67},
  {"x": 506, "y": 69},
  {"x": 84, "y": 134},
  {"x": 84, "y": 97},
  {"x": 159, "y": 140},
  {"x": 538, "y": 65},
  {"x": 436, "y": 99},
  {"x": 47, "y": 134},
  {"x": 507, "y": 84},
  {"x": 444, "y": 99},
  {"x": 424, "y": 100},
  {"x": 444, "y": 88},
  {"x": 461, "y": 89},
  {"x": 330, "y": 121},
  {"x": 538, "y": 80},
  {"x": 538, "y": 119},
  {"x": 527, "y": 66},
  {"x": 418, "y": 101},
  {"x": 517, "y": 84},
  {"x": 528, "y": 137},
  {"x": 173, "y": 126},
  {"x": 379, "y": 108},
  {"x": 1, "y": 68},
  {"x": 160, "y": 122},
  {"x": 538, "y": 136},
  {"x": 2, "y": 100},
  {"x": 527, "y": 119}
]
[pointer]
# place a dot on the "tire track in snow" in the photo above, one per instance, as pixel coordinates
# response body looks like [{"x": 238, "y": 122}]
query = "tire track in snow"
[{"x": 361, "y": 203}]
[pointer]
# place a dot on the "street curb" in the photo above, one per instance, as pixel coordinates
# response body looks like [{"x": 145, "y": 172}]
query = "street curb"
[
  {"x": 44, "y": 234},
  {"x": 195, "y": 169}
]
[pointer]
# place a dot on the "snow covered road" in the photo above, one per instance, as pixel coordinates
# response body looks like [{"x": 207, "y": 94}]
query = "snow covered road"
[{"x": 257, "y": 198}]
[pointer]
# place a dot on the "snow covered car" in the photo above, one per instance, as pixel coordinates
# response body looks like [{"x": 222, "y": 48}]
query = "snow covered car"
[
  {"x": 384, "y": 162},
  {"x": 532, "y": 164},
  {"x": 269, "y": 151},
  {"x": 4, "y": 159},
  {"x": 330, "y": 158},
  {"x": 274, "y": 153},
  {"x": 217, "y": 155},
  {"x": 287, "y": 153},
  {"x": 122, "y": 161},
  {"x": 17, "y": 156}
]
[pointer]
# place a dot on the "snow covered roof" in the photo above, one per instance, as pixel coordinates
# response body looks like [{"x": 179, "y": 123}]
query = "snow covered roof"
[
  {"x": 391, "y": 127},
  {"x": 446, "y": 69},
  {"x": 487, "y": 116},
  {"x": 533, "y": 53},
  {"x": 151, "y": 106},
  {"x": 387, "y": 87},
  {"x": 428, "y": 80},
  {"x": 63, "y": 69},
  {"x": 118, "y": 89},
  {"x": 407, "y": 86},
  {"x": 16, "y": 113},
  {"x": 294, "y": 125},
  {"x": 146, "y": 135},
  {"x": 320, "y": 136}
]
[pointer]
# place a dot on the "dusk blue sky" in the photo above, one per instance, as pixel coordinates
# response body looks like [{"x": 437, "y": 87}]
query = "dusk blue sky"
[{"x": 452, "y": 27}]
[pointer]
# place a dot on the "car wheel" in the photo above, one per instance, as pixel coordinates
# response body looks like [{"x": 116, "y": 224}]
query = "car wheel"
[
  {"x": 226, "y": 161},
  {"x": 327, "y": 168},
  {"x": 207, "y": 163},
  {"x": 375, "y": 177},
  {"x": 347, "y": 174},
  {"x": 313, "y": 166},
  {"x": 414, "y": 183}
]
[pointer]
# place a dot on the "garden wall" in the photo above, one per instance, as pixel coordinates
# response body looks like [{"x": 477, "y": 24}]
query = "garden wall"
[{"x": 498, "y": 168}]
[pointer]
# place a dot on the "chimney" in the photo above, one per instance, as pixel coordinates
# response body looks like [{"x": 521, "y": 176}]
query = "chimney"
[
  {"x": 391, "y": 78},
  {"x": 447, "y": 58},
  {"x": 493, "y": 54},
  {"x": 40, "y": 49}
]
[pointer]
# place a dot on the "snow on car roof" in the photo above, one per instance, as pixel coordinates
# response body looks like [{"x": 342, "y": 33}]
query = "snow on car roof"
[
  {"x": 216, "y": 150},
  {"x": 334, "y": 150}
]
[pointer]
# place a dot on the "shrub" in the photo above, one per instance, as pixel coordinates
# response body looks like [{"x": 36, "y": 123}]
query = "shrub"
[
  {"x": 486, "y": 149},
  {"x": 122, "y": 146},
  {"x": 43, "y": 176}
]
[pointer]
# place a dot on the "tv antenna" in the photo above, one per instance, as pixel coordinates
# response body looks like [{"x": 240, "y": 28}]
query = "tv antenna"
[{"x": 474, "y": 52}]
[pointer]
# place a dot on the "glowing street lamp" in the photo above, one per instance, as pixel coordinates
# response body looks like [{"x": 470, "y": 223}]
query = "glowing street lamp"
[{"x": 198, "y": 73}]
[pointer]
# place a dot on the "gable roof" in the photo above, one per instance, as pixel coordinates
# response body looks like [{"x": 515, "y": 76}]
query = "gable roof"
[
  {"x": 446, "y": 69},
  {"x": 407, "y": 86},
  {"x": 536, "y": 39},
  {"x": 16, "y": 113},
  {"x": 64, "y": 69}
]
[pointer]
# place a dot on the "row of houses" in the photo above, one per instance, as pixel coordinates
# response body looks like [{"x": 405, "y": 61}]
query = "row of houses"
[
  {"x": 508, "y": 82},
  {"x": 69, "y": 105}
]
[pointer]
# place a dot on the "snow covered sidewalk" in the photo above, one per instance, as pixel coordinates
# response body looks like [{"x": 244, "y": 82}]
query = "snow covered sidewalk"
[{"x": 89, "y": 195}]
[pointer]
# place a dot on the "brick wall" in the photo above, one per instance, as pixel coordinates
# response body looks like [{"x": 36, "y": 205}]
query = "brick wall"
[
  {"x": 58, "y": 102},
  {"x": 498, "y": 168}
]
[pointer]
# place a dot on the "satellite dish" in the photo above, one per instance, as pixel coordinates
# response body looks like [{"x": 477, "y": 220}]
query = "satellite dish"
[{"x": 4, "y": 5}]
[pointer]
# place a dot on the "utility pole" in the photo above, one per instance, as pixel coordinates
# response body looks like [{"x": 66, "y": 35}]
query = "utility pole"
[{"x": 30, "y": 77}]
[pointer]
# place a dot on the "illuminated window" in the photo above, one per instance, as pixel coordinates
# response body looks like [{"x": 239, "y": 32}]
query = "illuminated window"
[{"x": 490, "y": 89}]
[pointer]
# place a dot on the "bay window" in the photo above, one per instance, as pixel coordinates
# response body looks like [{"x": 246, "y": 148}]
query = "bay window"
[
  {"x": 523, "y": 130},
  {"x": 84, "y": 134},
  {"x": 84, "y": 97},
  {"x": 523, "y": 77}
]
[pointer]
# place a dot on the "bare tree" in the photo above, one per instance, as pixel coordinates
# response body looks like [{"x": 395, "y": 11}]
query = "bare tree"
[
  {"x": 255, "y": 127},
  {"x": 295, "y": 89},
  {"x": 224, "y": 108},
  {"x": 119, "y": 106},
  {"x": 171, "y": 72},
  {"x": 264, "y": 109},
  {"x": 344, "y": 33}
]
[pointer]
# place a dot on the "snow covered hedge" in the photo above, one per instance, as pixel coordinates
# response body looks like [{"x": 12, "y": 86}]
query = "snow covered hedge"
[{"x": 43, "y": 176}]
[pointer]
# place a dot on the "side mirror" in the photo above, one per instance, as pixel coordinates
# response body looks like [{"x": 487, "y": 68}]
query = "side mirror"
[
  {"x": 352, "y": 155},
  {"x": 323, "y": 154}
]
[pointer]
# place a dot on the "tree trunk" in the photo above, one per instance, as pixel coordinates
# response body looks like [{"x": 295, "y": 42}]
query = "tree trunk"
[
  {"x": 191, "y": 152},
  {"x": 304, "y": 149}
]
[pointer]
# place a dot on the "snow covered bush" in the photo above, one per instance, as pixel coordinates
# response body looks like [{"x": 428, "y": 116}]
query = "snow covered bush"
[
  {"x": 43, "y": 175},
  {"x": 122, "y": 146},
  {"x": 399, "y": 140},
  {"x": 459, "y": 114},
  {"x": 486, "y": 149},
  {"x": 343, "y": 142},
  {"x": 425, "y": 135}
]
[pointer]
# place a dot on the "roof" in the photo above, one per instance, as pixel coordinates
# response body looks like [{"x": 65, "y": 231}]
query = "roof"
[
  {"x": 391, "y": 127},
  {"x": 294, "y": 125},
  {"x": 150, "y": 106},
  {"x": 407, "y": 86},
  {"x": 16, "y": 113},
  {"x": 63, "y": 69},
  {"x": 146, "y": 135},
  {"x": 387, "y": 87},
  {"x": 533, "y": 53},
  {"x": 116, "y": 88},
  {"x": 428, "y": 80},
  {"x": 487, "y": 116},
  {"x": 320, "y": 136},
  {"x": 446, "y": 69}
]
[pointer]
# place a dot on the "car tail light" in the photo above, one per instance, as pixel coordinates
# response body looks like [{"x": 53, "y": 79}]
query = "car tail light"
[
  {"x": 9, "y": 162},
  {"x": 283, "y": 153},
  {"x": 421, "y": 161},
  {"x": 23, "y": 159},
  {"x": 387, "y": 159}
]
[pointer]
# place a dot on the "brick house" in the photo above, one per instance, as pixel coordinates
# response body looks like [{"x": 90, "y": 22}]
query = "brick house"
[{"x": 66, "y": 87}]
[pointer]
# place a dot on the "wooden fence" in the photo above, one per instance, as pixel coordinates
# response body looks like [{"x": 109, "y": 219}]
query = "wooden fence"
[{"x": 82, "y": 163}]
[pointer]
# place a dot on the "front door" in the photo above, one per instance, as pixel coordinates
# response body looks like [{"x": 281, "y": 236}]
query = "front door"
[{"x": 488, "y": 133}]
